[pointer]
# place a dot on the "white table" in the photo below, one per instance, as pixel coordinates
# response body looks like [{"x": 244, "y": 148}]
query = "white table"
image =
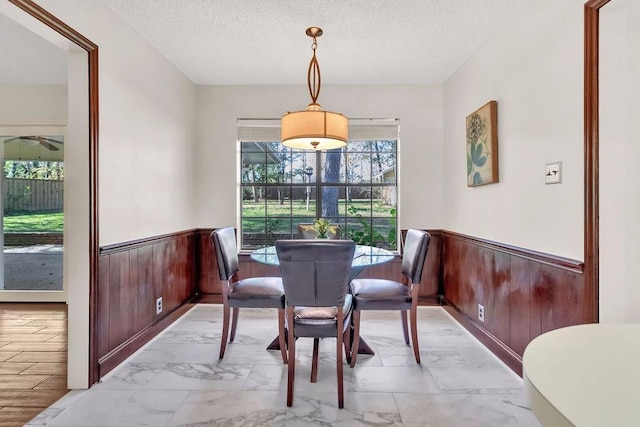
[{"x": 585, "y": 375}]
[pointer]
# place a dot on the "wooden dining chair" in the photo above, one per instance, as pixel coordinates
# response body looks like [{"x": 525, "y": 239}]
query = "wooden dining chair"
[
  {"x": 253, "y": 292},
  {"x": 315, "y": 275},
  {"x": 382, "y": 294}
]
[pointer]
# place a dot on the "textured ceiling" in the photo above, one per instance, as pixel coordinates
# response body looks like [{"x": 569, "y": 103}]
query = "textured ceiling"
[{"x": 364, "y": 41}]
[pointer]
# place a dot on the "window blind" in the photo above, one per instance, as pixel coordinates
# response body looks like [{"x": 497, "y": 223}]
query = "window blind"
[{"x": 268, "y": 130}]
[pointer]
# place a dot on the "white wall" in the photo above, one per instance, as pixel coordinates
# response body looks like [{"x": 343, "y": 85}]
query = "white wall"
[
  {"x": 30, "y": 104},
  {"x": 76, "y": 261},
  {"x": 532, "y": 66},
  {"x": 147, "y": 128},
  {"x": 619, "y": 154},
  {"x": 418, "y": 107},
  {"x": 147, "y": 132}
]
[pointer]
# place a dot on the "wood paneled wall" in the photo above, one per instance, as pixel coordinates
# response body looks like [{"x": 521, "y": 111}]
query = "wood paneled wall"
[
  {"x": 207, "y": 277},
  {"x": 132, "y": 276},
  {"x": 524, "y": 293}
]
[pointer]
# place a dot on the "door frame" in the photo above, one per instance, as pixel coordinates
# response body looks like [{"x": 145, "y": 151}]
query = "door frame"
[
  {"x": 88, "y": 342},
  {"x": 591, "y": 155}
]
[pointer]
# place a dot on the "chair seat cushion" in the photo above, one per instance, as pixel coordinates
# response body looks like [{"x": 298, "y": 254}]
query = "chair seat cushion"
[
  {"x": 257, "y": 292},
  {"x": 380, "y": 294},
  {"x": 320, "y": 321}
]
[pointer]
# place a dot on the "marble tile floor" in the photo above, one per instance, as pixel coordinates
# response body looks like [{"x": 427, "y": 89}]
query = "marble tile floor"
[{"x": 177, "y": 380}]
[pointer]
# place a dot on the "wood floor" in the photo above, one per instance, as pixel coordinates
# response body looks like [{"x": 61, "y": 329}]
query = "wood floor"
[{"x": 33, "y": 359}]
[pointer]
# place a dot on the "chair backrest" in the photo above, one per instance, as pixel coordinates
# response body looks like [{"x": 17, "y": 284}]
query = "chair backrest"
[
  {"x": 315, "y": 273},
  {"x": 306, "y": 231},
  {"x": 224, "y": 242},
  {"x": 414, "y": 253}
]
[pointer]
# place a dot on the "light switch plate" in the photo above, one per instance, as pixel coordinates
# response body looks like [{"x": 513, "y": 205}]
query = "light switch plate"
[{"x": 553, "y": 173}]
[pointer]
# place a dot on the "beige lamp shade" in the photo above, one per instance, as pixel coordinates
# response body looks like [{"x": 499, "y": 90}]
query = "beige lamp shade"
[{"x": 319, "y": 130}]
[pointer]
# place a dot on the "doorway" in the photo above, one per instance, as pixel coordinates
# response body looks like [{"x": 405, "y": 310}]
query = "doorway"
[
  {"x": 80, "y": 115},
  {"x": 33, "y": 215}
]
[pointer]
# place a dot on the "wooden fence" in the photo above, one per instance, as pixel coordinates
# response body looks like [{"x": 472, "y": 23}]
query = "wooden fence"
[{"x": 32, "y": 195}]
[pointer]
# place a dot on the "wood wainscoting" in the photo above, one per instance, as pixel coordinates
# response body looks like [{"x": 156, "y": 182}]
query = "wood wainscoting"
[
  {"x": 524, "y": 293},
  {"x": 132, "y": 276},
  {"x": 208, "y": 284}
]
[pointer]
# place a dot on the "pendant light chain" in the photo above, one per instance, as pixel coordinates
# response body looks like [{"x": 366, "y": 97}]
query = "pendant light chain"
[{"x": 313, "y": 74}]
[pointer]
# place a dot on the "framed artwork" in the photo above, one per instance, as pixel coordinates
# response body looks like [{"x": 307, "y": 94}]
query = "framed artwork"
[{"x": 482, "y": 145}]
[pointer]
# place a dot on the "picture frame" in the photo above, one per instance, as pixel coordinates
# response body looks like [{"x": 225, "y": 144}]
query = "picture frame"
[{"x": 482, "y": 145}]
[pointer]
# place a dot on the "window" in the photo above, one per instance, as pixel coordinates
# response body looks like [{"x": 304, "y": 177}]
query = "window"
[{"x": 355, "y": 186}]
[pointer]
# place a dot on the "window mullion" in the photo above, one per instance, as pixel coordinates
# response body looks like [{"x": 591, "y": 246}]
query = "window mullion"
[{"x": 318, "y": 184}]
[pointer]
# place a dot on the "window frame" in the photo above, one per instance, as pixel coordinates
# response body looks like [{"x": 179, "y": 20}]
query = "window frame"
[{"x": 346, "y": 218}]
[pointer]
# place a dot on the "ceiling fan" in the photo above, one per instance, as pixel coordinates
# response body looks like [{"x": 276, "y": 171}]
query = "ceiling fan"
[{"x": 42, "y": 140}]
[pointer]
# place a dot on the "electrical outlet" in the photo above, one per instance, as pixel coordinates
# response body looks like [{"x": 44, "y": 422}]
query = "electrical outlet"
[
  {"x": 553, "y": 173},
  {"x": 159, "y": 305},
  {"x": 481, "y": 312}
]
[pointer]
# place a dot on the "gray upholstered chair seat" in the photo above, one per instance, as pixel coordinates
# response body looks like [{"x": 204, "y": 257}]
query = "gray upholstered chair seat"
[
  {"x": 319, "y": 321},
  {"x": 380, "y": 294},
  {"x": 257, "y": 292}
]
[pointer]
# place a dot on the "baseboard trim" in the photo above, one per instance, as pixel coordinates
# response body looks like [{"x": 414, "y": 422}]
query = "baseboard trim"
[
  {"x": 208, "y": 299},
  {"x": 430, "y": 300},
  {"x": 497, "y": 347},
  {"x": 119, "y": 354}
]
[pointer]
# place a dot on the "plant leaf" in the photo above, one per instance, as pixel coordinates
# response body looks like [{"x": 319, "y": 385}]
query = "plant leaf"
[
  {"x": 478, "y": 153},
  {"x": 477, "y": 179}
]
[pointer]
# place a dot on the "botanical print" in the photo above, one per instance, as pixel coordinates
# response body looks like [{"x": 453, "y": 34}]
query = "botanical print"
[{"x": 482, "y": 146}]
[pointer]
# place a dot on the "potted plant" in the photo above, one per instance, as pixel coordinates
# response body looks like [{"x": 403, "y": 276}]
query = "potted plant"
[{"x": 321, "y": 225}]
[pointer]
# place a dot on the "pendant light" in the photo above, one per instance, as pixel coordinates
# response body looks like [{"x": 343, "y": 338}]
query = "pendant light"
[{"x": 313, "y": 128}]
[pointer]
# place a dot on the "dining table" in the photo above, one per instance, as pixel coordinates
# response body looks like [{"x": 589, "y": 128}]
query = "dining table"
[{"x": 363, "y": 257}]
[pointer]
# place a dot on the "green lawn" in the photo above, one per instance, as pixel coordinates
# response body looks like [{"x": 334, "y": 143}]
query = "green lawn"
[
  {"x": 33, "y": 222},
  {"x": 298, "y": 208}
]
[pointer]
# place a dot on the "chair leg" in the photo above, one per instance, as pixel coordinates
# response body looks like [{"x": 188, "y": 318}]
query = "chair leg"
[
  {"x": 234, "y": 323},
  {"x": 356, "y": 337},
  {"x": 314, "y": 360},
  {"x": 292, "y": 357},
  {"x": 225, "y": 329},
  {"x": 339, "y": 366},
  {"x": 414, "y": 331},
  {"x": 346, "y": 339},
  {"x": 281, "y": 335},
  {"x": 405, "y": 329}
]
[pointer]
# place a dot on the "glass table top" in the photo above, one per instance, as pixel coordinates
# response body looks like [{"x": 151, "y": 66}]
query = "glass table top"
[{"x": 364, "y": 256}]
